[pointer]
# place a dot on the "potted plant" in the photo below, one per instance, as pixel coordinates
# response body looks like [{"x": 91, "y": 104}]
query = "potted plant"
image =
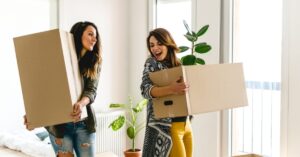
[
  {"x": 133, "y": 128},
  {"x": 200, "y": 48}
]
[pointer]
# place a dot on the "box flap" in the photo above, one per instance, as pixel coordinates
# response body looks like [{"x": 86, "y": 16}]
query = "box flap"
[{"x": 72, "y": 68}]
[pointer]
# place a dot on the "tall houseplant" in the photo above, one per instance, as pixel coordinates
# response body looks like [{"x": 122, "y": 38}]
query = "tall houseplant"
[
  {"x": 133, "y": 127},
  {"x": 200, "y": 48}
]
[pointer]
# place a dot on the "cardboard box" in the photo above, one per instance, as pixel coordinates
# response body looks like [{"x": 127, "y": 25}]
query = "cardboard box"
[
  {"x": 50, "y": 78},
  {"x": 211, "y": 88}
]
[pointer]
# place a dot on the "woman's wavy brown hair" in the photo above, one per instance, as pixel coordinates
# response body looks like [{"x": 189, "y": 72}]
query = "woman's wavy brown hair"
[
  {"x": 90, "y": 63},
  {"x": 164, "y": 37}
]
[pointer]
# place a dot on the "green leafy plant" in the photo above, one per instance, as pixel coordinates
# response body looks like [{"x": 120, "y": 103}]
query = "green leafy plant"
[
  {"x": 200, "y": 48},
  {"x": 133, "y": 128}
]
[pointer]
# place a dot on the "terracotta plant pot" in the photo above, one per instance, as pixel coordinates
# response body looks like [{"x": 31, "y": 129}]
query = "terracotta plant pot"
[{"x": 130, "y": 153}]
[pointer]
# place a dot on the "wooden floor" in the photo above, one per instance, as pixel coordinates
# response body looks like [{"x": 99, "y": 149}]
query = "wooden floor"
[{"x": 5, "y": 152}]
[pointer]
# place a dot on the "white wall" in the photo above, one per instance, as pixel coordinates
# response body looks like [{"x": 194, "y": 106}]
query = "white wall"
[
  {"x": 112, "y": 20},
  {"x": 138, "y": 31},
  {"x": 290, "y": 126},
  {"x": 14, "y": 22},
  {"x": 206, "y": 127}
]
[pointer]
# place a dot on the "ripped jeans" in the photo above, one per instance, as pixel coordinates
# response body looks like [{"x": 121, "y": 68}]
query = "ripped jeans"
[{"x": 76, "y": 138}]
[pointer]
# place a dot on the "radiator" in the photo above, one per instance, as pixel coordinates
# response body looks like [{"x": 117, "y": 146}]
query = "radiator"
[{"x": 108, "y": 140}]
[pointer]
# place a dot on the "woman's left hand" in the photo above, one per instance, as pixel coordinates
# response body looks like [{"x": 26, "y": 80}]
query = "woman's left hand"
[{"x": 77, "y": 110}]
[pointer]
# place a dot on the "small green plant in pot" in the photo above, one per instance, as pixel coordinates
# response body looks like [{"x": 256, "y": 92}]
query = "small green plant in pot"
[
  {"x": 200, "y": 48},
  {"x": 133, "y": 127}
]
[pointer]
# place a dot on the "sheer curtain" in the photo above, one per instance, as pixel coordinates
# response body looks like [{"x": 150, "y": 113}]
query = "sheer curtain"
[{"x": 257, "y": 27}]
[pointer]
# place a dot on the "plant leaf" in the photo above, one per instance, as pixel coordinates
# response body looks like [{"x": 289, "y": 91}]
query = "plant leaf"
[
  {"x": 186, "y": 26},
  {"x": 140, "y": 106},
  {"x": 202, "y": 30},
  {"x": 117, "y": 123},
  {"x": 117, "y": 106},
  {"x": 202, "y": 48},
  {"x": 183, "y": 48},
  {"x": 188, "y": 60},
  {"x": 190, "y": 37},
  {"x": 202, "y": 43},
  {"x": 200, "y": 61},
  {"x": 131, "y": 132},
  {"x": 194, "y": 34},
  {"x": 136, "y": 110}
]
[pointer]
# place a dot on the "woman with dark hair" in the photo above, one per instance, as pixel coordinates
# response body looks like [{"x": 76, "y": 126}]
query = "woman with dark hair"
[
  {"x": 165, "y": 137},
  {"x": 79, "y": 136}
]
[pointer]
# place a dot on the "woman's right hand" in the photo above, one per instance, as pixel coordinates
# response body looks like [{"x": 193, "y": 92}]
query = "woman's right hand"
[
  {"x": 178, "y": 86},
  {"x": 26, "y": 123}
]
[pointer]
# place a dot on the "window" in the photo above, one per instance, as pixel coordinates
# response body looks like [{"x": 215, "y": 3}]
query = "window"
[
  {"x": 170, "y": 15},
  {"x": 257, "y": 28}
]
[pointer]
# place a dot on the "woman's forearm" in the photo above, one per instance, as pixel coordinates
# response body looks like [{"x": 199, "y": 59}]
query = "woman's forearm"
[
  {"x": 157, "y": 92},
  {"x": 84, "y": 101}
]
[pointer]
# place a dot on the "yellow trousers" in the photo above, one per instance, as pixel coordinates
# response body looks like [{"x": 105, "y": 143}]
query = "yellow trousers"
[{"x": 182, "y": 137}]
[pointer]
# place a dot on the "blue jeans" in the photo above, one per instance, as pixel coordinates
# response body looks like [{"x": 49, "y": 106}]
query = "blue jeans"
[{"x": 76, "y": 138}]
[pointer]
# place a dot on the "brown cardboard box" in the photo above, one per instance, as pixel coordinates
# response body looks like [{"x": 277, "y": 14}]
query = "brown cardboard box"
[
  {"x": 211, "y": 88},
  {"x": 49, "y": 75}
]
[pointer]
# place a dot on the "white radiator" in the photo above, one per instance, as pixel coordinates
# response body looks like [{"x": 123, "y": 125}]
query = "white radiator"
[{"x": 108, "y": 140}]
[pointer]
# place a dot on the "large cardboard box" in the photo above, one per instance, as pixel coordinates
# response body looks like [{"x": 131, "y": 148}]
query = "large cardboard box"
[
  {"x": 211, "y": 88},
  {"x": 49, "y": 74}
]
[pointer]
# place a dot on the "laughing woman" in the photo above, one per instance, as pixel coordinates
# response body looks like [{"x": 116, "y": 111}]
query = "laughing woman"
[{"x": 166, "y": 137}]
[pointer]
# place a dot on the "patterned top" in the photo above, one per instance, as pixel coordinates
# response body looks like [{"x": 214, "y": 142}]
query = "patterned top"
[{"x": 158, "y": 142}]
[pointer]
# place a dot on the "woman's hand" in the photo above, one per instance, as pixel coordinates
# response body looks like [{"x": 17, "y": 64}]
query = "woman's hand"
[
  {"x": 77, "y": 110},
  {"x": 26, "y": 123},
  {"x": 178, "y": 86}
]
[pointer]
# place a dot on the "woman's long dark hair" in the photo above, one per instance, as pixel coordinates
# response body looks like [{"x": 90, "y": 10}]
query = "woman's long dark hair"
[
  {"x": 89, "y": 64},
  {"x": 164, "y": 37}
]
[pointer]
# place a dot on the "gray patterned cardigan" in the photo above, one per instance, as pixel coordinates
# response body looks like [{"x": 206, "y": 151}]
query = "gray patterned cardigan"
[{"x": 157, "y": 142}]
